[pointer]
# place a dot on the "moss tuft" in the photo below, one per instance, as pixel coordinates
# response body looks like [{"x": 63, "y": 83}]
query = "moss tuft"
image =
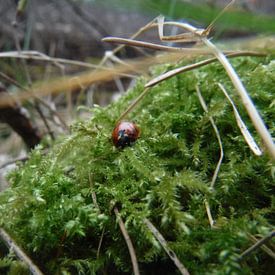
[{"x": 164, "y": 177}]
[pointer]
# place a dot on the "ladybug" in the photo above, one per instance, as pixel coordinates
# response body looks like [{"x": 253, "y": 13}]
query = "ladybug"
[{"x": 125, "y": 134}]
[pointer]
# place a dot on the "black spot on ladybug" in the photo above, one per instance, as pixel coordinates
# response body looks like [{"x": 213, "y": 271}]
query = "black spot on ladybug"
[{"x": 125, "y": 134}]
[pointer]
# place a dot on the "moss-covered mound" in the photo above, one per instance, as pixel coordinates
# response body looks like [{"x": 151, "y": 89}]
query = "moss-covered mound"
[{"x": 60, "y": 207}]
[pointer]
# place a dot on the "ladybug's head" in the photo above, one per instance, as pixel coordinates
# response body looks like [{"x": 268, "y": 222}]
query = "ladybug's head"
[{"x": 123, "y": 139}]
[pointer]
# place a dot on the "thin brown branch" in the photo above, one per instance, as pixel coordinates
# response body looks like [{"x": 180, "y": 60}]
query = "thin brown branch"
[
  {"x": 133, "y": 104},
  {"x": 13, "y": 161},
  {"x": 165, "y": 246},
  {"x": 128, "y": 242},
  {"x": 258, "y": 244},
  {"x": 203, "y": 104},
  {"x": 97, "y": 206},
  {"x": 40, "y": 112},
  {"x": 152, "y": 46},
  {"x": 11, "y": 244},
  {"x": 186, "y": 68},
  {"x": 246, "y": 100},
  {"x": 43, "y": 102},
  {"x": 34, "y": 55}
]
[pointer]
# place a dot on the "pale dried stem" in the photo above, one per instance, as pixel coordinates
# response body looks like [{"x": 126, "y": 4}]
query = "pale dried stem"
[
  {"x": 257, "y": 244},
  {"x": 203, "y": 104},
  {"x": 209, "y": 214},
  {"x": 97, "y": 206},
  {"x": 128, "y": 242},
  {"x": 134, "y": 103},
  {"x": 246, "y": 134},
  {"x": 153, "y": 46},
  {"x": 214, "y": 178},
  {"x": 34, "y": 55},
  {"x": 22, "y": 159},
  {"x": 186, "y": 68},
  {"x": 43, "y": 102},
  {"x": 183, "y": 270},
  {"x": 248, "y": 104},
  {"x": 19, "y": 252}
]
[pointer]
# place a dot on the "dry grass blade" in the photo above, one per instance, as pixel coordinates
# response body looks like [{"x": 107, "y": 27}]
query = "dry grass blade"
[
  {"x": 190, "y": 67},
  {"x": 19, "y": 252},
  {"x": 165, "y": 246},
  {"x": 214, "y": 178},
  {"x": 248, "y": 104},
  {"x": 128, "y": 242},
  {"x": 148, "y": 45},
  {"x": 209, "y": 214},
  {"x": 203, "y": 104},
  {"x": 246, "y": 134},
  {"x": 71, "y": 83},
  {"x": 257, "y": 244},
  {"x": 34, "y": 55},
  {"x": 134, "y": 103}
]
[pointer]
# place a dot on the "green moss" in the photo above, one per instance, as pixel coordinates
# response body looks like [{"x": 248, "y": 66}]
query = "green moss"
[{"x": 165, "y": 177}]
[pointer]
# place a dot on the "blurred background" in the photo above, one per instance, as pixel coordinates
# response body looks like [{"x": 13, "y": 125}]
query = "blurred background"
[{"x": 43, "y": 40}]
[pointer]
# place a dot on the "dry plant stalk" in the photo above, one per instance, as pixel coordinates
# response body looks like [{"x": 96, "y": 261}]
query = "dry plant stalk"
[
  {"x": 257, "y": 244},
  {"x": 215, "y": 175},
  {"x": 183, "y": 270},
  {"x": 128, "y": 242},
  {"x": 246, "y": 134},
  {"x": 19, "y": 252}
]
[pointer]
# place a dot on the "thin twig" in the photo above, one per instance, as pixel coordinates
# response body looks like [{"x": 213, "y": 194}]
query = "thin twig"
[
  {"x": 40, "y": 112},
  {"x": 165, "y": 246},
  {"x": 257, "y": 244},
  {"x": 206, "y": 203},
  {"x": 266, "y": 249},
  {"x": 128, "y": 242},
  {"x": 100, "y": 242},
  {"x": 138, "y": 33},
  {"x": 97, "y": 206},
  {"x": 209, "y": 214},
  {"x": 247, "y": 102},
  {"x": 246, "y": 134},
  {"x": 153, "y": 46},
  {"x": 134, "y": 103},
  {"x": 29, "y": 80},
  {"x": 19, "y": 252},
  {"x": 186, "y": 68},
  {"x": 203, "y": 104},
  {"x": 34, "y": 55},
  {"x": 13, "y": 161},
  {"x": 43, "y": 102}
]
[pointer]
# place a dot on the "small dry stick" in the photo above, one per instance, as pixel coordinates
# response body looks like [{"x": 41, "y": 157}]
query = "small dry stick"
[
  {"x": 214, "y": 178},
  {"x": 165, "y": 246},
  {"x": 209, "y": 214},
  {"x": 246, "y": 134},
  {"x": 43, "y": 102},
  {"x": 19, "y": 252},
  {"x": 257, "y": 244},
  {"x": 247, "y": 102},
  {"x": 34, "y": 55},
  {"x": 186, "y": 68},
  {"x": 266, "y": 249},
  {"x": 128, "y": 242},
  {"x": 97, "y": 206},
  {"x": 14, "y": 161},
  {"x": 135, "y": 102}
]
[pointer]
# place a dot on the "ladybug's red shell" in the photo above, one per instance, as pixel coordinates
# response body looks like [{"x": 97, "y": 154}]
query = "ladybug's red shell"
[{"x": 125, "y": 134}]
